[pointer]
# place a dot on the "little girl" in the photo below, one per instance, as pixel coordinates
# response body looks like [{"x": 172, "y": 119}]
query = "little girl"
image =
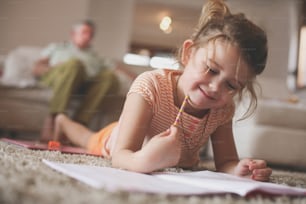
[{"x": 220, "y": 61}]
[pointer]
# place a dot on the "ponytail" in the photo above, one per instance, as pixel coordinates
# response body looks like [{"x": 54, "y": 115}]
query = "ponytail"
[{"x": 212, "y": 10}]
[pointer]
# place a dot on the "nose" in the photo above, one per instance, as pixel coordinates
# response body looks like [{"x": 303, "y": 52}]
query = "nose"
[{"x": 214, "y": 86}]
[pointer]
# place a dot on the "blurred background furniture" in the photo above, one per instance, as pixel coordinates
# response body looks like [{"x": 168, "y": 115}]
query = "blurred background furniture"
[
  {"x": 22, "y": 110},
  {"x": 276, "y": 131}
]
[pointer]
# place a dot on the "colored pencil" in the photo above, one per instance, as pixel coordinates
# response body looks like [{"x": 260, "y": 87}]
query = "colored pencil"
[{"x": 181, "y": 111}]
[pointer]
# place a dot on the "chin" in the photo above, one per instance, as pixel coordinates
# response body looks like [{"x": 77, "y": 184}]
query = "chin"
[
  {"x": 198, "y": 104},
  {"x": 205, "y": 104}
]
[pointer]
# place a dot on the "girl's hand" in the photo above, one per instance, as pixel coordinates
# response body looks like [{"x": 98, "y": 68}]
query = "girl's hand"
[
  {"x": 255, "y": 169},
  {"x": 164, "y": 149}
]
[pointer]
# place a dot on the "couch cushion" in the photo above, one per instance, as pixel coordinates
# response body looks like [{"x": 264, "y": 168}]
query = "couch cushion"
[
  {"x": 273, "y": 87},
  {"x": 281, "y": 113},
  {"x": 18, "y": 64},
  {"x": 37, "y": 94},
  {"x": 20, "y": 115},
  {"x": 275, "y": 144}
]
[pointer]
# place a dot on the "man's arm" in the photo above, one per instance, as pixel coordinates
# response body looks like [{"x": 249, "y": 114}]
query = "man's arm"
[{"x": 41, "y": 67}]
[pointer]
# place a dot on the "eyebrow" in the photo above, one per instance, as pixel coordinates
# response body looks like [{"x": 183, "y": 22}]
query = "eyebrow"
[
  {"x": 214, "y": 62},
  {"x": 220, "y": 67}
]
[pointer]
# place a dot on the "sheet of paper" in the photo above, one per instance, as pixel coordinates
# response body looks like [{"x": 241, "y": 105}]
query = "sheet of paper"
[
  {"x": 120, "y": 180},
  {"x": 228, "y": 183},
  {"x": 190, "y": 183}
]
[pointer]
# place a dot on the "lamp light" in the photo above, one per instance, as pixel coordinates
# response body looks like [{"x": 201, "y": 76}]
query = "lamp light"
[{"x": 165, "y": 24}]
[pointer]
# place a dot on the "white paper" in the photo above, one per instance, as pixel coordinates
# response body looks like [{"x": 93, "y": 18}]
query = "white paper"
[{"x": 189, "y": 183}]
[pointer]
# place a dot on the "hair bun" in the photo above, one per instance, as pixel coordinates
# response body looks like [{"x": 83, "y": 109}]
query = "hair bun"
[{"x": 213, "y": 10}]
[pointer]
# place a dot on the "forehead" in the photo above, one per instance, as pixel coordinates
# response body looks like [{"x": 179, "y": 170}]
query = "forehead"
[
  {"x": 82, "y": 28},
  {"x": 227, "y": 56}
]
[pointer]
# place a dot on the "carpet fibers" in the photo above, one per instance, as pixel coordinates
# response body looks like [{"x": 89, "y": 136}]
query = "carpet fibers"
[{"x": 25, "y": 179}]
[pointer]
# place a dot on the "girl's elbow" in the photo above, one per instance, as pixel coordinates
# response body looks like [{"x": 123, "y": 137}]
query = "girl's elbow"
[
  {"x": 131, "y": 162},
  {"x": 114, "y": 161}
]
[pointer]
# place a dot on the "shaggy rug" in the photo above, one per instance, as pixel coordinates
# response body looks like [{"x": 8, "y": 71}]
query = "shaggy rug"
[{"x": 25, "y": 179}]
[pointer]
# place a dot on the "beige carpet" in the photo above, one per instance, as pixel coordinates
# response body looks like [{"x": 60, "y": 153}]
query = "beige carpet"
[{"x": 25, "y": 179}]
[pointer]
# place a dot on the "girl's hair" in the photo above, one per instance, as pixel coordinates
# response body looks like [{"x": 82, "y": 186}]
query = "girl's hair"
[{"x": 216, "y": 21}]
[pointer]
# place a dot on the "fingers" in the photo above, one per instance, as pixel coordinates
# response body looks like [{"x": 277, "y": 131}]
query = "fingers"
[
  {"x": 173, "y": 130},
  {"x": 259, "y": 169},
  {"x": 242, "y": 168},
  {"x": 261, "y": 174},
  {"x": 164, "y": 134},
  {"x": 257, "y": 164},
  {"x": 254, "y": 169}
]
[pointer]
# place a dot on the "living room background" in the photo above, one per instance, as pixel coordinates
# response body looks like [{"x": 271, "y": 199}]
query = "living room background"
[{"x": 36, "y": 23}]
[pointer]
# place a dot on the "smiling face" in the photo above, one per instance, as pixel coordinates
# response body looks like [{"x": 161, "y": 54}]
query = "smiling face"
[{"x": 213, "y": 74}]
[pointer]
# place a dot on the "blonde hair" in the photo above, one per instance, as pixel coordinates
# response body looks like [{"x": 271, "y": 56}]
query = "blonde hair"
[{"x": 216, "y": 21}]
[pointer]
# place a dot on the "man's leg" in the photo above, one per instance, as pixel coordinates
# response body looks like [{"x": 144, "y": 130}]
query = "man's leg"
[
  {"x": 63, "y": 79},
  {"x": 104, "y": 83}
]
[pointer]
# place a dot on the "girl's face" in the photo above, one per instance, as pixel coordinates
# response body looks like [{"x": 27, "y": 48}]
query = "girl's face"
[{"x": 213, "y": 73}]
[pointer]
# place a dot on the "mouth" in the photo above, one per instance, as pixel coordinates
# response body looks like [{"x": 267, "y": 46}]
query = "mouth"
[{"x": 206, "y": 95}]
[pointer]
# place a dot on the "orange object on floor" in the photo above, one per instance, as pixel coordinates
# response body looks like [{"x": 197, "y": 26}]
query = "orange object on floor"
[{"x": 54, "y": 145}]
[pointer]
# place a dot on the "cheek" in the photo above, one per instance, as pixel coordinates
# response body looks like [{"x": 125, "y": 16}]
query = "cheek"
[
  {"x": 194, "y": 79},
  {"x": 225, "y": 99}
]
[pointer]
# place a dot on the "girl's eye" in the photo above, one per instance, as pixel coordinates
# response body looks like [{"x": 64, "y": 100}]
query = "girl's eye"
[
  {"x": 212, "y": 70},
  {"x": 231, "y": 86}
]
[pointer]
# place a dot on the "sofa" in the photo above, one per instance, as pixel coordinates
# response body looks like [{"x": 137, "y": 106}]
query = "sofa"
[
  {"x": 23, "y": 109},
  {"x": 276, "y": 131}
]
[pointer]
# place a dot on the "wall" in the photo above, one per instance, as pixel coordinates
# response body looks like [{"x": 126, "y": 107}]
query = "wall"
[
  {"x": 114, "y": 23},
  {"x": 280, "y": 20},
  {"x": 37, "y": 23}
]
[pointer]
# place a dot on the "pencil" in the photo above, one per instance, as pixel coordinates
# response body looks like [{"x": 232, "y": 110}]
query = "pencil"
[{"x": 181, "y": 111}]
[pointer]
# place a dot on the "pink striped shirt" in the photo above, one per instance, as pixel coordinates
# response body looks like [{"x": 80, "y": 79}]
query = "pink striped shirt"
[{"x": 156, "y": 87}]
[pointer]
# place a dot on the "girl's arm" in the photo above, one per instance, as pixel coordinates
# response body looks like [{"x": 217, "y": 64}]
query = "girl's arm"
[
  {"x": 226, "y": 157},
  {"x": 162, "y": 151},
  {"x": 224, "y": 149}
]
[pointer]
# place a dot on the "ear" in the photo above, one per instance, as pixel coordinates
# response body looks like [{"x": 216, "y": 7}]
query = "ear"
[{"x": 186, "y": 51}]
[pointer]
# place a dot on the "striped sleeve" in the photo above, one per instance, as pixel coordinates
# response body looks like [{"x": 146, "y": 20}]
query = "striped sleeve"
[{"x": 144, "y": 85}]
